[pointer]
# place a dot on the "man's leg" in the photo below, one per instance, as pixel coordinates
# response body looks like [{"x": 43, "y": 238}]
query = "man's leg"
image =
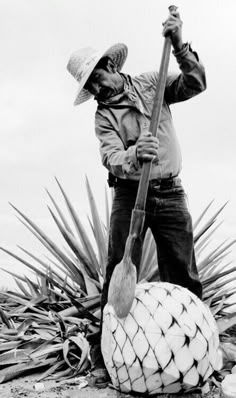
[
  {"x": 123, "y": 204},
  {"x": 171, "y": 225}
]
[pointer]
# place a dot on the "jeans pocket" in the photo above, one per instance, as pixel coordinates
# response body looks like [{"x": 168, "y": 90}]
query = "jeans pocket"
[{"x": 176, "y": 198}]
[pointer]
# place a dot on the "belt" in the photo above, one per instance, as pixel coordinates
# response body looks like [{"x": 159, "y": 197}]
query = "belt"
[{"x": 159, "y": 183}]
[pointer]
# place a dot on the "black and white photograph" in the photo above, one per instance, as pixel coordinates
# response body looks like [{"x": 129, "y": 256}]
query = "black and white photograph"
[{"x": 118, "y": 200}]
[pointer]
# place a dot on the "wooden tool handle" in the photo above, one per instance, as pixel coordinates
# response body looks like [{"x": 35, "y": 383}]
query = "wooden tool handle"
[
  {"x": 155, "y": 119},
  {"x": 160, "y": 90}
]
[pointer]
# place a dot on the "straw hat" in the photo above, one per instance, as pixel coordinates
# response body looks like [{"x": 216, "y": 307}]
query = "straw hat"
[{"x": 83, "y": 61}]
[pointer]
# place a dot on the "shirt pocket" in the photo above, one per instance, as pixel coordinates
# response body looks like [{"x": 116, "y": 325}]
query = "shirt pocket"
[{"x": 148, "y": 94}]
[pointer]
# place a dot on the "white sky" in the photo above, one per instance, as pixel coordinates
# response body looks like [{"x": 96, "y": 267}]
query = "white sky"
[{"x": 42, "y": 135}]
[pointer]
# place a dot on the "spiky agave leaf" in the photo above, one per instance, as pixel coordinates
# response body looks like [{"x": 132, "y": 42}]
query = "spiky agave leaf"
[
  {"x": 208, "y": 224},
  {"x": 49, "y": 244},
  {"x": 203, "y": 243},
  {"x": 81, "y": 231},
  {"x": 99, "y": 231},
  {"x": 199, "y": 219},
  {"x": 37, "y": 271},
  {"x": 148, "y": 266},
  {"x": 42, "y": 237},
  {"x": 88, "y": 272},
  {"x": 59, "y": 276}
]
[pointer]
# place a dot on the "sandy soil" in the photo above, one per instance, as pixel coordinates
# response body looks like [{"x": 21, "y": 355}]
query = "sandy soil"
[{"x": 28, "y": 387}]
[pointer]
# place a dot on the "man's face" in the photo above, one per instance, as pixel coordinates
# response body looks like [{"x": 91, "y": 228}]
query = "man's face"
[{"x": 103, "y": 83}]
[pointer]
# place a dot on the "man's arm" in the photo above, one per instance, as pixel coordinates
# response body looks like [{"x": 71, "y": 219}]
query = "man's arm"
[
  {"x": 120, "y": 161},
  {"x": 192, "y": 80}
]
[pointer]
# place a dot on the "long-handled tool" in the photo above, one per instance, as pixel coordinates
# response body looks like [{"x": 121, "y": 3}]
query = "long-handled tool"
[{"x": 123, "y": 281}]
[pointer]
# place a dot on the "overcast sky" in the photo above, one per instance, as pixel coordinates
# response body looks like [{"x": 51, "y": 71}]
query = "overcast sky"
[{"x": 43, "y": 135}]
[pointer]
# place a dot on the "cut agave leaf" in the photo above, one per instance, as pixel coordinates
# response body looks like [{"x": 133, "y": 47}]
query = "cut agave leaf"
[
  {"x": 13, "y": 356},
  {"x": 20, "y": 369},
  {"x": 226, "y": 322}
]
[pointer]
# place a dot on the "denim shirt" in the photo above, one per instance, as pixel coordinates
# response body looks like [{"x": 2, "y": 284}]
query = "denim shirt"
[{"x": 121, "y": 119}]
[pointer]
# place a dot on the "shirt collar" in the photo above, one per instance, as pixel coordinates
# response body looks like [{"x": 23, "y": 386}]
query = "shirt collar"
[{"x": 126, "y": 97}]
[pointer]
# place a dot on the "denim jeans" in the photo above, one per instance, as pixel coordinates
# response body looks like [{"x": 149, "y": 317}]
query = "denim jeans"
[{"x": 168, "y": 217}]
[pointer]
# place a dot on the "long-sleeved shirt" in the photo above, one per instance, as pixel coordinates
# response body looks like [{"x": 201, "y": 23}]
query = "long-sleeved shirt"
[{"x": 121, "y": 119}]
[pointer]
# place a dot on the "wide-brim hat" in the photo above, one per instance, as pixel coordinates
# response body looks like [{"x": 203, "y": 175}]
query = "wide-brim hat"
[{"x": 83, "y": 61}]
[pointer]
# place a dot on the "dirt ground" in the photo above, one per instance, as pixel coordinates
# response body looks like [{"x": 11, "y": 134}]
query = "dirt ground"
[{"x": 30, "y": 388}]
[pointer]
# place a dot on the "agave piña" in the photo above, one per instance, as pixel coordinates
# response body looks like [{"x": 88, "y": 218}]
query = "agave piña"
[{"x": 168, "y": 343}]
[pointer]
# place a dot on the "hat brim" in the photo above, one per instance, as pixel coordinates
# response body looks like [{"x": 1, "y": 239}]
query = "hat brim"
[{"x": 118, "y": 53}]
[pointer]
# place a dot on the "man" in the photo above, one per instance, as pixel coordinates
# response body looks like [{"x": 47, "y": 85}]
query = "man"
[{"x": 121, "y": 122}]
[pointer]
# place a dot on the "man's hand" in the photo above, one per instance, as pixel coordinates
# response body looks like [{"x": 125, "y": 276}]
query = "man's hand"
[
  {"x": 147, "y": 147},
  {"x": 173, "y": 27}
]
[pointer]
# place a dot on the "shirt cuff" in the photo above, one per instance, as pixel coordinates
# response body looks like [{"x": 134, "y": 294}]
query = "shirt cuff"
[
  {"x": 131, "y": 164},
  {"x": 186, "y": 48},
  {"x": 181, "y": 53}
]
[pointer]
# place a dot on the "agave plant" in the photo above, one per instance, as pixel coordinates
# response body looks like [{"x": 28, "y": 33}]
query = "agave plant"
[{"x": 45, "y": 322}]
